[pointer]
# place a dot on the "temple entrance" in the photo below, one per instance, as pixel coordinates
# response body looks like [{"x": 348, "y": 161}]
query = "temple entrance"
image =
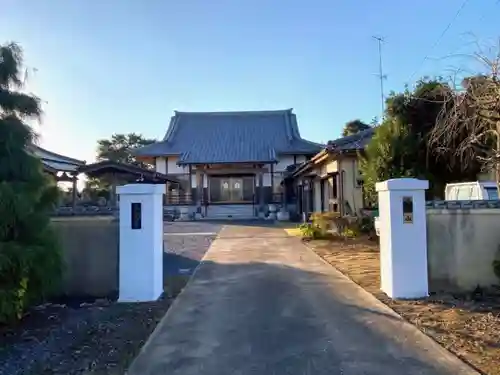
[
  {"x": 235, "y": 189},
  {"x": 231, "y": 189}
]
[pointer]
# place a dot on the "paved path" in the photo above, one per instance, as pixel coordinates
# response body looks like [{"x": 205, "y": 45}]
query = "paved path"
[{"x": 262, "y": 303}]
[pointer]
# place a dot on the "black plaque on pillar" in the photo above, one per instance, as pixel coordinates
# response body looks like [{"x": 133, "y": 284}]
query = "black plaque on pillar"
[{"x": 136, "y": 216}]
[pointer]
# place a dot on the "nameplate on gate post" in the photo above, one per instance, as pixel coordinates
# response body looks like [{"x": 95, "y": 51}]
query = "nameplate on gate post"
[
  {"x": 136, "y": 216},
  {"x": 408, "y": 210}
]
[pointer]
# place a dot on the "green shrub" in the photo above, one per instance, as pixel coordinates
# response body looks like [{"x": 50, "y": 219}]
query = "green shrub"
[
  {"x": 309, "y": 231},
  {"x": 30, "y": 260},
  {"x": 496, "y": 268},
  {"x": 328, "y": 221},
  {"x": 367, "y": 225}
]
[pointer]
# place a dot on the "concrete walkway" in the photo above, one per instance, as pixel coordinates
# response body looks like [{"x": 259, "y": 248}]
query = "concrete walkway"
[{"x": 262, "y": 303}]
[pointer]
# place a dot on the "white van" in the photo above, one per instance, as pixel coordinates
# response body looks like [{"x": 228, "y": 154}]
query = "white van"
[{"x": 470, "y": 191}]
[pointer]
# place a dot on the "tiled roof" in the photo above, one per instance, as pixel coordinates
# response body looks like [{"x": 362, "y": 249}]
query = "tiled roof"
[
  {"x": 353, "y": 142},
  {"x": 231, "y": 137},
  {"x": 57, "y": 162}
]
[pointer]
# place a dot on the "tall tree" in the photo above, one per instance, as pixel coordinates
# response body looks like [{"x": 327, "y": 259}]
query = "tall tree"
[
  {"x": 402, "y": 146},
  {"x": 120, "y": 148},
  {"x": 475, "y": 112},
  {"x": 30, "y": 262},
  {"x": 386, "y": 156},
  {"x": 354, "y": 126}
]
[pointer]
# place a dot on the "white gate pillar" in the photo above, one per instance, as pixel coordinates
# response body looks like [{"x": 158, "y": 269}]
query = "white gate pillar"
[
  {"x": 141, "y": 242},
  {"x": 403, "y": 237}
]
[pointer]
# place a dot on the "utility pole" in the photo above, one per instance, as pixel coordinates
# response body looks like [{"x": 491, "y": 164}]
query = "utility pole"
[{"x": 380, "y": 74}]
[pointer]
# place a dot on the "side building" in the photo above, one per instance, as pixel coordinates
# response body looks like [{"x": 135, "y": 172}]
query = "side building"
[{"x": 331, "y": 179}]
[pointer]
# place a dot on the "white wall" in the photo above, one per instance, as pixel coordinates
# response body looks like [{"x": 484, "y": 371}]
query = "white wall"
[
  {"x": 301, "y": 159},
  {"x": 173, "y": 168},
  {"x": 286, "y": 160},
  {"x": 317, "y": 195},
  {"x": 160, "y": 165},
  {"x": 283, "y": 162}
]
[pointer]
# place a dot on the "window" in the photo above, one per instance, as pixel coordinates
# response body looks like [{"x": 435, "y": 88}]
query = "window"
[
  {"x": 178, "y": 193},
  {"x": 334, "y": 187},
  {"x": 277, "y": 193},
  {"x": 231, "y": 188},
  {"x": 492, "y": 193}
]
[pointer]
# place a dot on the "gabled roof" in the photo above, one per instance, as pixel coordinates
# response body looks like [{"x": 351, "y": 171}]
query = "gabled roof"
[
  {"x": 353, "y": 142},
  {"x": 56, "y": 162},
  {"x": 231, "y": 137},
  {"x": 348, "y": 144}
]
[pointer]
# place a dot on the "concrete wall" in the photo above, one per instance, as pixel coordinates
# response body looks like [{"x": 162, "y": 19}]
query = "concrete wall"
[
  {"x": 461, "y": 245},
  {"x": 90, "y": 253}
]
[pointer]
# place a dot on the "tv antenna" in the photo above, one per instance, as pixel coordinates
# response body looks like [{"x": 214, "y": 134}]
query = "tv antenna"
[{"x": 381, "y": 74}]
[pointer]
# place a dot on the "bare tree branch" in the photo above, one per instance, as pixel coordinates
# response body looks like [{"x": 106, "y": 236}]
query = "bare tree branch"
[{"x": 474, "y": 111}]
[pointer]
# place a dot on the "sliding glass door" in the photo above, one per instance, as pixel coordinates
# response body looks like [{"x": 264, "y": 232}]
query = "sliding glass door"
[{"x": 231, "y": 189}]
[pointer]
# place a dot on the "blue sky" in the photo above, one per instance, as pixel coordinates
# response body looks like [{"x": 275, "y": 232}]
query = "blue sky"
[{"x": 114, "y": 66}]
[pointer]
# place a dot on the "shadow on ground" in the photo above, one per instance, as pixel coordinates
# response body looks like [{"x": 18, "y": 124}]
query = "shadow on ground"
[
  {"x": 265, "y": 318},
  {"x": 251, "y": 223}
]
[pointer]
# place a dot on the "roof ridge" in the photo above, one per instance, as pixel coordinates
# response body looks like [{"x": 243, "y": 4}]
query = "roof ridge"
[
  {"x": 295, "y": 126},
  {"x": 68, "y": 160},
  {"x": 172, "y": 127},
  {"x": 351, "y": 138},
  {"x": 288, "y": 129},
  {"x": 232, "y": 113}
]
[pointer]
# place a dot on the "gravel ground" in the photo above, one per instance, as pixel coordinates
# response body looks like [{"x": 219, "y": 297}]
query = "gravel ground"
[
  {"x": 101, "y": 337},
  {"x": 467, "y": 324},
  {"x": 185, "y": 245}
]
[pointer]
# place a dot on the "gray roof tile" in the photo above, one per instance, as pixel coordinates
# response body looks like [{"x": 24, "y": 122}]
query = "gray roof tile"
[
  {"x": 229, "y": 137},
  {"x": 353, "y": 142}
]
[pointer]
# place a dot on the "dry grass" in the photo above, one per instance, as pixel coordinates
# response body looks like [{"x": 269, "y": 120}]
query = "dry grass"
[
  {"x": 467, "y": 325},
  {"x": 294, "y": 232},
  {"x": 93, "y": 339}
]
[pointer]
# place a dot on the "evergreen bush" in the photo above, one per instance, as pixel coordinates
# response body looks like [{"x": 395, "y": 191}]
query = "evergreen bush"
[{"x": 30, "y": 259}]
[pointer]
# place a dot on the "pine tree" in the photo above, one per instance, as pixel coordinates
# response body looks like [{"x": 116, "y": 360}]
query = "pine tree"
[{"x": 30, "y": 261}]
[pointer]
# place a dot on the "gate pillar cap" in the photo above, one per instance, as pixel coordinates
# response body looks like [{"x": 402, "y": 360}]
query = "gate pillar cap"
[
  {"x": 141, "y": 189},
  {"x": 402, "y": 184}
]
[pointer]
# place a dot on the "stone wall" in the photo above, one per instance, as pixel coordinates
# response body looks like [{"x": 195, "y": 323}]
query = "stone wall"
[
  {"x": 90, "y": 253},
  {"x": 462, "y": 244}
]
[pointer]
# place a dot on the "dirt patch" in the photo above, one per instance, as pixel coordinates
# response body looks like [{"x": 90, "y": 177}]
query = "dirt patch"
[
  {"x": 86, "y": 338},
  {"x": 466, "y": 324}
]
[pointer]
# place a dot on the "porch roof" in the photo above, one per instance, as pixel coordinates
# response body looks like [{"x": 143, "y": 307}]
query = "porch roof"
[
  {"x": 231, "y": 137},
  {"x": 112, "y": 167}
]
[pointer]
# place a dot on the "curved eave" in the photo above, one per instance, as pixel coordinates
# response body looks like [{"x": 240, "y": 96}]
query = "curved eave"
[
  {"x": 193, "y": 162},
  {"x": 52, "y": 156}
]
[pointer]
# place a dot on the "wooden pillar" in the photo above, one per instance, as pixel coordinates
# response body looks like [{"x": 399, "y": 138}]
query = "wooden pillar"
[
  {"x": 199, "y": 190},
  {"x": 73, "y": 203},
  {"x": 261, "y": 190}
]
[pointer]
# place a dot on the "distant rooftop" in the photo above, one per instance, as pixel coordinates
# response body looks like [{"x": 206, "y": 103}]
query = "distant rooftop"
[
  {"x": 56, "y": 162},
  {"x": 353, "y": 142},
  {"x": 231, "y": 137}
]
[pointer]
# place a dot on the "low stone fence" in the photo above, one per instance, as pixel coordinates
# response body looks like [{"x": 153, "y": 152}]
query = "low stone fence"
[
  {"x": 90, "y": 253},
  {"x": 463, "y": 241}
]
